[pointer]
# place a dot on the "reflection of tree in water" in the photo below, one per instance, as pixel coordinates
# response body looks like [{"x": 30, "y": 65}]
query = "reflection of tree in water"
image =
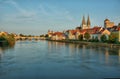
[
  {"x": 3, "y": 49},
  {"x": 113, "y": 51}
]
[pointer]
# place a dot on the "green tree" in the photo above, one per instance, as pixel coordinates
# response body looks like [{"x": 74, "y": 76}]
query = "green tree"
[
  {"x": 113, "y": 38},
  {"x": 118, "y": 24},
  {"x": 87, "y": 36},
  {"x": 29, "y": 35},
  {"x": 96, "y": 39},
  {"x": 103, "y": 38},
  {"x": 80, "y": 37},
  {"x": 46, "y": 35},
  {"x": 41, "y": 35},
  {"x": 21, "y": 35},
  {"x": 7, "y": 39}
]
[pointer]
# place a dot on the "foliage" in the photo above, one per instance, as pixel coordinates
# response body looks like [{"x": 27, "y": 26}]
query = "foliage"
[
  {"x": 118, "y": 24},
  {"x": 113, "y": 38},
  {"x": 7, "y": 39},
  {"x": 22, "y": 35},
  {"x": 80, "y": 37},
  {"x": 46, "y": 35},
  {"x": 103, "y": 38},
  {"x": 41, "y": 35},
  {"x": 96, "y": 39},
  {"x": 29, "y": 35},
  {"x": 87, "y": 36}
]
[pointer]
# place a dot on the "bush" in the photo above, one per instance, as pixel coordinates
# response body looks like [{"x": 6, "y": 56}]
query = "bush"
[
  {"x": 80, "y": 37},
  {"x": 7, "y": 39},
  {"x": 96, "y": 39},
  {"x": 87, "y": 36},
  {"x": 113, "y": 38},
  {"x": 103, "y": 38}
]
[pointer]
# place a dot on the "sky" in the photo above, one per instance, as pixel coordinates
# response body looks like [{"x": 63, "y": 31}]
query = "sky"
[{"x": 36, "y": 17}]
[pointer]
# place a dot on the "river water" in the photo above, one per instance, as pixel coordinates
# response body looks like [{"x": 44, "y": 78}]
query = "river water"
[{"x": 54, "y": 60}]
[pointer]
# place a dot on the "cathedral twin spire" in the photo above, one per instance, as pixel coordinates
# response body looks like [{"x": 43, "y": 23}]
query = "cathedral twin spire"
[{"x": 86, "y": 25}]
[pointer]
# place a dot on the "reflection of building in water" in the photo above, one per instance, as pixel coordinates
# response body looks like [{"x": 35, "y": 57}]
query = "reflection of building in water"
[
  {"x": 72, "y": 49},
  {"x": 119, "y": 52},
  {"x": 106, "y": 55},
  {"x": 119, "y": 55},
  {"x": 83, "y": 49},
  {"x": 52, "y": 45},
  {"x": 1, "y": 52}
]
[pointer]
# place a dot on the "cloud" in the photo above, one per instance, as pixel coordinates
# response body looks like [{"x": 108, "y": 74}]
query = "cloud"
[
  {"x": 55, "y": 12},
  {"x": 20, "y": 16},
  {"x": 24, "y": 12}
]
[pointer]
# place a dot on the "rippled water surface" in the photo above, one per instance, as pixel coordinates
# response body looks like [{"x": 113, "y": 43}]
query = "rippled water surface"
[{"x": 54, "y": 60}]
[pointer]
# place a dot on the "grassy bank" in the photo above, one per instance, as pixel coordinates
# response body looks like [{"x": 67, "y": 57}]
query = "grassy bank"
[
  {"x": 93, "y": 44},
  {"x": 7, "y": 40}
]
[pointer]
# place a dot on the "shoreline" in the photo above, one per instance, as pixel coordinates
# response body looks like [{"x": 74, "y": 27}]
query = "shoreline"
[{"x": 93, "y": 44}]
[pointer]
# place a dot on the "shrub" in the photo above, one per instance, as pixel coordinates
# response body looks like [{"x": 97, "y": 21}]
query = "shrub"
[
  {"x": 80, "y": 37},
  {"x": 87, "y": 36},
  {"x": 103, "y": 38}
]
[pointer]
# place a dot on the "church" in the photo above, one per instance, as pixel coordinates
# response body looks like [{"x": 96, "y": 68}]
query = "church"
[{"x": 85, "y": 24}]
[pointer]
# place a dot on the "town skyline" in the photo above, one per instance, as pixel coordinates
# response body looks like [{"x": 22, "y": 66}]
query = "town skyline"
[{"x": 36, "y": 17}]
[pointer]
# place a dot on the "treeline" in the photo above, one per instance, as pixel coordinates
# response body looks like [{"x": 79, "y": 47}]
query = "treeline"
[
  {"x": 23, "y": 35},
  {"x": 112, "y": 38},
  {"x": 7, "y": 40}
]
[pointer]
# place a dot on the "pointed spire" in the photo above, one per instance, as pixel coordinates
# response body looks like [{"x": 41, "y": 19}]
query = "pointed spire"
[
  {"x": 83, "y": 21},
  {"x": 88, "y": 21}
]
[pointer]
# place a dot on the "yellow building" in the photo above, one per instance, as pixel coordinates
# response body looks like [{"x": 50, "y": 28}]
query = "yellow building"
[
  {"x": 108, "y": 23},
  {"x": 117, "y": 33}
]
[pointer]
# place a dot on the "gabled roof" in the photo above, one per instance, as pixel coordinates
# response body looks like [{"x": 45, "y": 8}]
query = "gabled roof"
[{"x": 58, "y": 34}]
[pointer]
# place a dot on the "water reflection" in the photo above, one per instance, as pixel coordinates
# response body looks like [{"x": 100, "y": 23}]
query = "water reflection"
[
  {"x": 3, "y": 49},
  {"x": 87, "y": 52},
  {"x": 46, "y": 59}
]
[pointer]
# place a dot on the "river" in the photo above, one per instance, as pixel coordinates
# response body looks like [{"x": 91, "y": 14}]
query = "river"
[{"x": 55, "y": 60}]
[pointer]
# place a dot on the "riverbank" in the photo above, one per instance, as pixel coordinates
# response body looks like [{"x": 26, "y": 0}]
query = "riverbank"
[{"x": 93, "y": 44}]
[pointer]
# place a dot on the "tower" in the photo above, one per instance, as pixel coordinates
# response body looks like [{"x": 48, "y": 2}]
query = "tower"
[
  {"x": 83, "y": 23},
  {"x": 88, "y": 22},
  {"x": 86, "y": 25},
  {"x": 108, "y": 23}
]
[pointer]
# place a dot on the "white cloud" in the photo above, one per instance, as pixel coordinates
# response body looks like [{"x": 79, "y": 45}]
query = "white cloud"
[
  {"x": 23, "y": 12},
  {"x": 55, "y": 12}
]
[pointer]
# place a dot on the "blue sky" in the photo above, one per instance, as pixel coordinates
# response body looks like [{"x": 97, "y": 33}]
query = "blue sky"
[{"x": 37, "y": 16}]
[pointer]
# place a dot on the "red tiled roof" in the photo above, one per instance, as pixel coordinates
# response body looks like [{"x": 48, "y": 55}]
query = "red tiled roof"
[{"x": 58, "y": 33}]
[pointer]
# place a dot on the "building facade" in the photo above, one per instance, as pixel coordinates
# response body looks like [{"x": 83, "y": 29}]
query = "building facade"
[{"x": 108, "y": 23}]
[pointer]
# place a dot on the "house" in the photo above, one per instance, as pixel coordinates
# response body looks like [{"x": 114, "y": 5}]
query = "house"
[
  {"x": 71, "y": 34},
  {"x": 58, "y": 36}
]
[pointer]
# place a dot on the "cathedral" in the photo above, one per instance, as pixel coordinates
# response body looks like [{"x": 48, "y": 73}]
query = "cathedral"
[{"x": 84, "y": 24}]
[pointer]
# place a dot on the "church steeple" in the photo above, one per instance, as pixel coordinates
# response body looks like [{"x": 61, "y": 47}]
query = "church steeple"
[
  {"x": 85, "y": 24},
  {"x": 88, "y": 22},
  {"x": 83, "y": 21}
]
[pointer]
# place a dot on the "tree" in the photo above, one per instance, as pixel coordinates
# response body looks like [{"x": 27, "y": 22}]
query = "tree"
[
  {"x": 41, "y": 35},
  {"x": 87, "y": 36},
  {"x": 46, "y": 35},
  {"x": 21, "y": 35},
  {"x": 118, "y": 24},
  {"x": 103, "y": 38},
  {"x": 80, "y": 37},
  {"x": 113, "y": 38},
  {"x": 96, "y": 39}
]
